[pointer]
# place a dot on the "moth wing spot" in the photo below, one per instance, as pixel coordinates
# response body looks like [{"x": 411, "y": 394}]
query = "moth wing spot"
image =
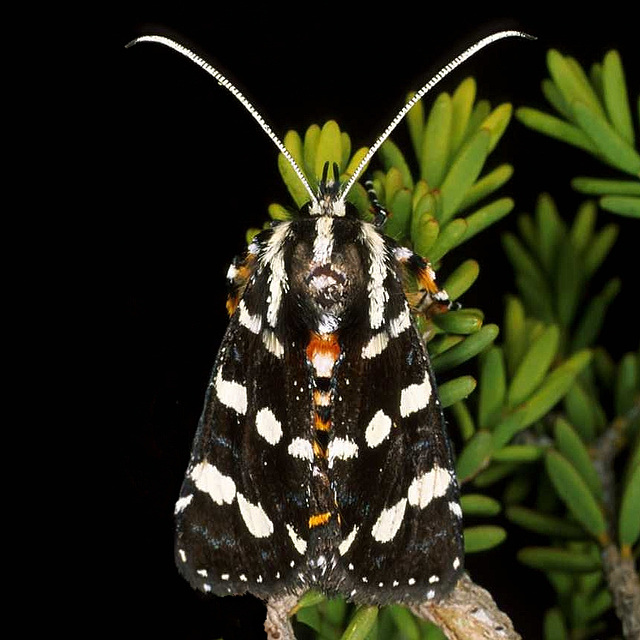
[
  {"x": 254, "y": 516},
  {"x": 208, "y": 479},
  {"x": 378, "y": 429},
  {"x": 430, "y": 485},
  {"x": 389, "y": 522},
  {"x": 268, "y": 426}
]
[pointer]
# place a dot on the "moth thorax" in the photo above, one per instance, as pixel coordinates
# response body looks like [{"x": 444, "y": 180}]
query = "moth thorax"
[{"x": 327, "y": 286}]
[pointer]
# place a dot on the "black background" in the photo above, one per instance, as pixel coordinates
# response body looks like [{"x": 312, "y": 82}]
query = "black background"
[{"x": 185, "y": 170}]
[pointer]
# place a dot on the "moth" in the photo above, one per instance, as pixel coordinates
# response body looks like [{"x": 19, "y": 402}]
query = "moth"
[{"x": 321, "y": 459}]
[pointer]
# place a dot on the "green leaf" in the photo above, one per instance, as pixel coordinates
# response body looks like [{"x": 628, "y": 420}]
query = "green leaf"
[
  {"x": 487, "y": 185},
  {"x": 534, "y": 366},
  {"x": 515, "y": 334},
  {"x": 543, "y": 523},
  {"x": 462, "y": 104},
  {"x": 486, "y": 216},
  {"x": 555, "y": 128},
  {"x": 583, "y": 225},
  {"x": 475, "y": 455},
  {"x": 554, "y": 626},
  {"x": 415, "y": 124},
  {"x": 613, "y": 148},
  {"x": 449, "y": 237},
  {"x": 462, "y": 321},
  {"x": 463, "y": 172},
  {"x": 496, "y": 122},
  {"x": 555, "y": 559},
  {"x": 455, "y": 390},
  {"x": 476, "y": 504},
  {"x": 580, "y": 409},
  {"x": 405, "y": 622},
  {"x": 464, "y": 420},
  {"x": 592, "y": 318},
  {"x": 461, "y": 279},
  {"x": 627, "y": 384},
  {"x": 361, "y": 623},
  {"x": 551, "y": 231},
  {"x": 576, "y": 494},
  {"x": 603, "y": 186},
  {"x": 572, "y": 82},
  {"x": 290, "y": 178},
  {"x": 329, "y": 148},
  {"x": 629, "y": 517},
  {"x": 518, "y": 453},
  {"x": 492, "y": 387},
  {"x": 569, "y": 284},
  {"x": 622, "y": 205},
  {"x": 616, "y": 98},
  {"x": 483, "y": 537},
  {"x": 465, "y": 350},
  {"x": 391, "y": 156},
  {"x": 573, "y": 449},
  {"x": 599, "y": 248},
  {"x": 437, "y": 141}
]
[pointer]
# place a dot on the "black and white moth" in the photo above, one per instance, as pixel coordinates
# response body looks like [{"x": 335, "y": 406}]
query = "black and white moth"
[{"x": 321, "y": 459}]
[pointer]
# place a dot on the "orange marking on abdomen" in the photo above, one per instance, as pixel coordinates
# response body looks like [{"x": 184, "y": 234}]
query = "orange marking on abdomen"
[
  {"x": 320, "y": 518},
  {"x": 323, "y": 352}
]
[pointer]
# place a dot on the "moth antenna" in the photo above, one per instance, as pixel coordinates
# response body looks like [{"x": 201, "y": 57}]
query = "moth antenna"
[
  {"x": 446, "y": 70},
  {"x": 227, "y": 84}
]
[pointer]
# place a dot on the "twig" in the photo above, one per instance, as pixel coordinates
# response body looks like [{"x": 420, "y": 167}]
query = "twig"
[
  {"x": 468, "y": 613},
  {"x": 277, "y": 624},
  {"x": 624, "y": 585},
  {"x": 620, "y": 573}
]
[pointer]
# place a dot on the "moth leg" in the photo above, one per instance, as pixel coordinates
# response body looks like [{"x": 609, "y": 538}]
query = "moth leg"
[
  {"x": 429, "y": 299},
  {"x": 380, "y": 214},
  {"x": 239, "y": 273}
]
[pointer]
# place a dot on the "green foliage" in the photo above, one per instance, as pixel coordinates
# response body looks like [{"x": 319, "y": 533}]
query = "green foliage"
[
  {"x": 594, "y": 115},
  {"x": 547, "y": 396}
]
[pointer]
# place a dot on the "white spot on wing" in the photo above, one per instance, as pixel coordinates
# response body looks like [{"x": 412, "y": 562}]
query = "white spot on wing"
[
  {"x": 341, "y": 449},
  {"x": 376, "y": 345},
  {"x": 251, "y": 322},
  {"x": 378, "y": 429},
  {"x": 298, "y": 542},
  {"x": 301, "y": 448},
  {"x": 255, "y": 518},
  {"x": 430, "y": 485},
  {"x": 207, "y": 478},
  {"x": 456, "y": 563},
  {"x": 271, "y": 342},
  {"x": 268, "y": 426},
  {"x": 389, "y": 522},
  {"x": 401, "y": 323},
  {"x": 343, "y": 547},
  {"x": 454, "y": 507},
  {"x": 415, "y": 397},
  {"x": 231, "y": 394},
  {"x": 183, "y": 503}
]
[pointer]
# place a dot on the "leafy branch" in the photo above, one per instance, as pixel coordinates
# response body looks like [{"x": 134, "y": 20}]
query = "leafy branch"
[{"x": 549, "y": 429}]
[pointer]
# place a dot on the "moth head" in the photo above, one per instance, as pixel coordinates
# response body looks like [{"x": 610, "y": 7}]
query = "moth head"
[{"x": 328, "y": 201}]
